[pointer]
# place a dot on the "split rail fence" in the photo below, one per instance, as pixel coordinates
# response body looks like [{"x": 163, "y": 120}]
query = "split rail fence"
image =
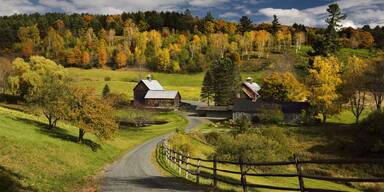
[{"x": 182, "y": 162}]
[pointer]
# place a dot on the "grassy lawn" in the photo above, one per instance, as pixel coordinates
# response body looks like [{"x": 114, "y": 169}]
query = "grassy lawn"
[
  {"x": 123, "y": 81},
  {"x": 33, "y": 158}
]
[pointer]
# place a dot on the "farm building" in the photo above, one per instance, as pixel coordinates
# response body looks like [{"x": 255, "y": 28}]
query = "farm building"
[
  {"x": 249, "y": 90},
  {"x": 150, "y": 94},
  {"x": 293, "y": 111}
]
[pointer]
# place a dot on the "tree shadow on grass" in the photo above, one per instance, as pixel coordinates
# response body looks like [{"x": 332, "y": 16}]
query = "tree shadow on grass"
[
  {"x": 60, "y": 133},
  {"x": 10, "y": 181}
]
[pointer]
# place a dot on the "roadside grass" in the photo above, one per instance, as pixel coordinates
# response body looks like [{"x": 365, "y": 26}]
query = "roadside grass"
[
  {"x": 35, "y": 159},
  {"x": 123, "y": 81}
]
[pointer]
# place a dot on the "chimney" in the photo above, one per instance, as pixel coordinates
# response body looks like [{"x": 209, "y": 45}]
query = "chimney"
[
  {"x": 149, "y": 77},
  {"x": 249, "y": 79}
]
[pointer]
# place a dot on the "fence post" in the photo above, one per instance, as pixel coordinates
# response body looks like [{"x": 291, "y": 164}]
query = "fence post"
[
  {"x": 180, "y": 163},
  {"x": 214, "y": 171},
  {"x": 198, "y": 172},
  {"x": 300, "y": 176},
  {"x": 243, "y": 178},
  {"x": 187, "y": 167}
]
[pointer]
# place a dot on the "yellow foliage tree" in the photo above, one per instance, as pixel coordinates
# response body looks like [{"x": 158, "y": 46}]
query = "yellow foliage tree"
[
  {"x": 103, "y": 56},
  {"x": 354, "y": 85},
  {"x": 121, "y": 59},
  {"x": 323, "y": 80}
]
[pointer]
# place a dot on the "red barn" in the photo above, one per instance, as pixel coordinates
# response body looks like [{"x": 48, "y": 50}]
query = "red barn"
[{"x": 150, "y": 93}]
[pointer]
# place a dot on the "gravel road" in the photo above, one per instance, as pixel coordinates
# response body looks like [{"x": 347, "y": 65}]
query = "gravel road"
[{"x": 136, "y": 172}]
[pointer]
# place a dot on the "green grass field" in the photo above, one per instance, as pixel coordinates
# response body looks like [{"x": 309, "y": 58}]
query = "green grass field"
[
  {"x": 33, "y": 158},
  {"x": 123, "y": 81}
]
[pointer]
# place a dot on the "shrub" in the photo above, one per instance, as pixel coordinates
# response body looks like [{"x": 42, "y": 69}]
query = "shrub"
[
  {"x": 212, "y": 137},
  {"x": 183, "y": 143},
  {"x": 371, "y": 136},
  {"x": 117, "y": 100},
  {"x": 251, "y": 147},
  {"x": 107, "y": 79},
  {"x": 273, "y": 115}
]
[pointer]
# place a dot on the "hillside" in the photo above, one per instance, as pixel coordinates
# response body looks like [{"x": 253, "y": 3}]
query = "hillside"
[
  {"x": 189, "y": 84},
  {"x": 56, "y": 162}
]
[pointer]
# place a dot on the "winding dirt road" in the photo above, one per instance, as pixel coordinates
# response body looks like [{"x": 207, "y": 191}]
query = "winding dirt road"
[{"x": 136, "y": 172}]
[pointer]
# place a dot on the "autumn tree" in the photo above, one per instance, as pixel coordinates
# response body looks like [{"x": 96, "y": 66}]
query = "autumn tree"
[
  {"x": 103, "y": 55},
  {"x": 375, "y": 81},
  {"x": 91, "y": 114},
  {"x": 86, "y": 58},
  {"x": 50, "y": 97},
  {"x": 54, "y": 43},
  {"x": 5, "y": 71},
  {"x": 354, "y": 85},
  {"x": 323, "y": 81},
  {"x": 262, "y": 39},
  {"x": 282, "y": 87},
  {"x": 43, "y": 84},
  {"x": 299, "y": 40},
  {"x": 26, "y": 76},
  {"x": 121, "y": 59}
]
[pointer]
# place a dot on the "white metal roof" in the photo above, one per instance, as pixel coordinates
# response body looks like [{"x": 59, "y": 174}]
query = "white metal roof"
[
  {"x": 160, "y": 94},
  {"x": 153, "y": 85},
  {"x": 253, "y": 86}
]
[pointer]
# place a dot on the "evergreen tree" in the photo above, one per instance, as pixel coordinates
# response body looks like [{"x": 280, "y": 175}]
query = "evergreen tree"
[
  {"x": 275, "y": 25},
  {"x": 335, "y": 16},
  {"x": 329, "y": 43},
  {"x": 245, "y": 24},
  {"x": 106, "y": 90},
  {"x": 226, "y": 81},
  {"x": 207, "y": 91}
]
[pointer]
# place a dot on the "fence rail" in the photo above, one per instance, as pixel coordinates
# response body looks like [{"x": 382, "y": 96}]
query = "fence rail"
[{"x": 182, "y": 162}]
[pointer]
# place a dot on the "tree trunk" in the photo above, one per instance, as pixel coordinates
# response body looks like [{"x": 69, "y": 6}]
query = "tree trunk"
[
  {"x": 81, "y": 135},
  {"x": 357, "y": 119},
  {"x": 324, "y": 118}
]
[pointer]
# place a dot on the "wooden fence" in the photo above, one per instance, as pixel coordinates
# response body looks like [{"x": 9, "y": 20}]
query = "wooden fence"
[{"x": 183, "y": 162}]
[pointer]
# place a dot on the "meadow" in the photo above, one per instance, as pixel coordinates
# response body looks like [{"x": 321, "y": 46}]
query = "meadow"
[
  {"x": 123, "y": 81},
  {"x": 35, "y": 159}
]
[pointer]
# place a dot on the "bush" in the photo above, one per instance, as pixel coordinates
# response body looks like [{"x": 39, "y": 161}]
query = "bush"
[
  {"x": 107, "y": 79},
  {"x": 371, "y": 135},
  {"x": 182, "y": 143},
  {"x": 251, "y": 147},
  {"x": 212, "y": 138},
  {"x": 117, "y": 100},
  {"x": 272, "y": 115}
]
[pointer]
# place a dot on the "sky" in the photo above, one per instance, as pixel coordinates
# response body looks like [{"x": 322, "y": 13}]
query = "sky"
[{"x": 307, "y": 12}]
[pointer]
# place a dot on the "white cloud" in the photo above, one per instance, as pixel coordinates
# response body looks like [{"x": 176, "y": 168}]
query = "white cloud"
[
  {"x": 229, "y": 15},
  {"x": 206, "y": 3},
  {"x": 358, "y": 12},
  {"x": 9, "y": 7}
]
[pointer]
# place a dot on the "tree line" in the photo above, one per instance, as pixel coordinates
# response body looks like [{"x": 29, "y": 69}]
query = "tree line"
[{"x": 161, "y": 41}]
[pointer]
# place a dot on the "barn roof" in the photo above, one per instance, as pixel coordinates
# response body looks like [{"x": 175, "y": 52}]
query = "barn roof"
[
  {"x": 253, "y": 86},
  {"x": 161, "y": 94},
  {"x": 153, "y": 85}
]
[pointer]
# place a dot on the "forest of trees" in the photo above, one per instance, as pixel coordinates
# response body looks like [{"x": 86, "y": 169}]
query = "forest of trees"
[{"x": 161, "y": 41}]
